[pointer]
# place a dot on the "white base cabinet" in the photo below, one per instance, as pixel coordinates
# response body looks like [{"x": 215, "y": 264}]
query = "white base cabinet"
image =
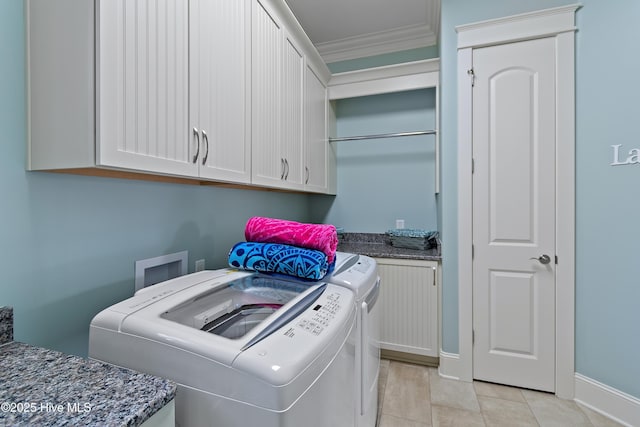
[
  {"x": 165, "y": 417},
  {"x": 409, "y": 306}
]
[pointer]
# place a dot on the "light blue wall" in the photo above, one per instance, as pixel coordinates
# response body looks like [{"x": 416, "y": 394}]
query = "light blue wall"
[
  {"x": 381, "y": 180},
  {"x": 607, "y": 199},
  {"x": 68, "y": 243}
]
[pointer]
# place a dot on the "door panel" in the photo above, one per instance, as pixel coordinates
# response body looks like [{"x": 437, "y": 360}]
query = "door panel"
[
  {"x": 510, "y": 166},
  {"x": 315, "y": 125},
  {"x": 292, "y": 132},
  {"x": 219, "y": 89},
  {"x": 511, "y": 312},
  {"x": 514, "y": 213},
  {"x": 266, "y": 90},
  {"x": 143, "y": 81}
]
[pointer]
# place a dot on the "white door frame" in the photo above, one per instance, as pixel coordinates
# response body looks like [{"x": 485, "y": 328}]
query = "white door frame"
[{"x": 560, "y": 24}]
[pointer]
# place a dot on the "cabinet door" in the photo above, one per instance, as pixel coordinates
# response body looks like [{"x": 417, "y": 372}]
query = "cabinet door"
[
  {"x": 268, "y": 165},
  {"x": 142, "y": 86},
  {"x": 409, "y": 304},
  {"x": 219, "y": 88},
  {"x": 315, "y": 124},
  {"x": 292, "y": 111}
]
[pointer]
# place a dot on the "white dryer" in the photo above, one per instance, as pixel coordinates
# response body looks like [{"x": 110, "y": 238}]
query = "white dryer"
[
  {"x": 359, "y": 273},
  {"x": 244, "y": 348}
]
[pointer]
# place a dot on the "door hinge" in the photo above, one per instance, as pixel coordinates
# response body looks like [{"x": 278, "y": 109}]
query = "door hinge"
[
  {"x": 473, "y": 336},
  {"x": 473, "y": 165},
  {"x": 473, "y": 251},
  {"x": 472, "y": 75},
  {"x": 556, "y": 259}
]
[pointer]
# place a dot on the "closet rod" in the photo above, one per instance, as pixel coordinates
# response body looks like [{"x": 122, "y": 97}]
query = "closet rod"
[{"x": 384, "y": 135}]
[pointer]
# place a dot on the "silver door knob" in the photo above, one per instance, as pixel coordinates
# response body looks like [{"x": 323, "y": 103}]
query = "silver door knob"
[{"x": 544, "y": 259}]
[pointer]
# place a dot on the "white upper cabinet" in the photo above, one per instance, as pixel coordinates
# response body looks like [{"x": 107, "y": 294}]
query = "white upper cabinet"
[
  {"x": 281, "y": 120},
  {"x": 292, "y": 113},
  {"x": 220, "y": 98},
  {"x": 268, "y": 166},
  {"x": 277, "y": 102},
  {"x": 110, "y": 91},
  {"x": 317, "y": 151},
  {"x": 208, "y": 90},
  {"x": 142, "y": 86}
]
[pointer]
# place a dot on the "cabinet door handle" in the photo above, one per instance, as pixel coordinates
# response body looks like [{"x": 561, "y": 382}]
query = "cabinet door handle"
[
  {"x": 197, "y": 135},
  {"x": 286, "y": 164},
  {"x": 435, "y": 276},
  {"x": 281, "y": 168},
  {"x": 306, "y": 169},
  {"x": 205, "y": 138}
]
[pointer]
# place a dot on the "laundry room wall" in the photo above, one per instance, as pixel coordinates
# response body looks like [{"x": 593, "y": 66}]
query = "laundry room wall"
[
  {"x": 607, "y": 348},
  {"x": 68, "y": 243},
  {"x": 381, "y": 180}
]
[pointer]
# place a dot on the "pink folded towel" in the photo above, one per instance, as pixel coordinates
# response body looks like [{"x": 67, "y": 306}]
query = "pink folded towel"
[{"x": 321, "y": 237}]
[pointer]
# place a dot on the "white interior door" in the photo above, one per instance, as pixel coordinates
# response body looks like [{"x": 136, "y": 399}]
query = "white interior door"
[{"x": 514, "y": 214}]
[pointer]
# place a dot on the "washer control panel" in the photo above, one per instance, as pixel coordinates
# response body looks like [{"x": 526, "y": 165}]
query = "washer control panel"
[
  {"x": 319, "y": 331},
  {"x": 322, "y": 314}
]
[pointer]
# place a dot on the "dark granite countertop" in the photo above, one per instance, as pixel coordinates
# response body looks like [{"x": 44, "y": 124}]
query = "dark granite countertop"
[
  {"x": 376, "y": 245},
  {"x": 41, "y": 387},
  {"x": 6, "y": 325}
]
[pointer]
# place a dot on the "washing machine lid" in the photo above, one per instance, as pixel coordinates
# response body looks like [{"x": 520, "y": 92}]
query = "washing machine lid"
[
  {"x": 356, "y": 272},
  {"x": 217, "y": 318},
  {"x": 234, "y": 309},
  {"x": 344, "y": 260}
]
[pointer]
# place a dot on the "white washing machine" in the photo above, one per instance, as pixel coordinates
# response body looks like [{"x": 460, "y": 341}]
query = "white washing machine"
[
  {"x": 359, "y": 273},
  {"x": 244, "y": 348}
]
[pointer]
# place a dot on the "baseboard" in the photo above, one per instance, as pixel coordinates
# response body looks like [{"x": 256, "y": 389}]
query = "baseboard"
[
  {"x": 417, "y": 359},
  {"x": 449, "y": 365},
  {"x": 619, "y": 406}
]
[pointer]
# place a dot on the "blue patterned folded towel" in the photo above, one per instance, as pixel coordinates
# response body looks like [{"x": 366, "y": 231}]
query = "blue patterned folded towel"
[
  {"x": 412, "y": 232},
  {"x": 413, "y": 238},
  {"x": 290, "y": 260}
]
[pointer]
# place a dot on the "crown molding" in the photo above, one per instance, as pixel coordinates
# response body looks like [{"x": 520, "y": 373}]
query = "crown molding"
[
  {"x": 379, "y": 43},
  {"x": 548, "y": 22}
]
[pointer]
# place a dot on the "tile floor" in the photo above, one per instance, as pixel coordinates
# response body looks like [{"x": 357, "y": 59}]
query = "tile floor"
[{"x": 416, "y": 396}]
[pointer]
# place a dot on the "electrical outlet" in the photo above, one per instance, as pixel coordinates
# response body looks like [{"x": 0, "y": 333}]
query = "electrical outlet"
[
  {"x": 399, "y": 223},
  {"x": 200, "y": 265}
]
